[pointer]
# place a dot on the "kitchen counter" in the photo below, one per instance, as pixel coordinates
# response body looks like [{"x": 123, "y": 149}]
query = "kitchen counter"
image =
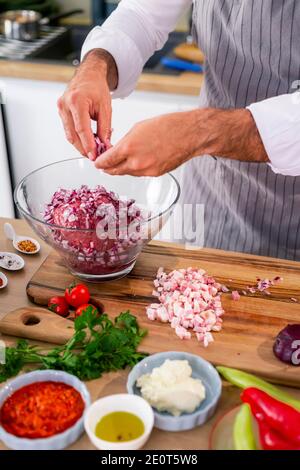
[
  {"x": 186, "y": 83},
  {"x": 14, "y": 296}
]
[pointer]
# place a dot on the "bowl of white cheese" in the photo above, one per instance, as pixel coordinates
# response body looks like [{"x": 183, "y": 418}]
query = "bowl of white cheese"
[{"x": 183, "y": 389}]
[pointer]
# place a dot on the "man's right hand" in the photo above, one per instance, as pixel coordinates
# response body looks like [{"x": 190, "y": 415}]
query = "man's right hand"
[{"x": 88, "y": 97}]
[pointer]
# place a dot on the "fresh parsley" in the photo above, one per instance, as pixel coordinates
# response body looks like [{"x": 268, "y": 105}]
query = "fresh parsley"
[{"x": 98, "y": 345}]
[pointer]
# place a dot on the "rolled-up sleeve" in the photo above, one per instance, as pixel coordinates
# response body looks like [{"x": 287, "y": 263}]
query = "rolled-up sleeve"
[
  {"x": 278, "y": 122},
  {"x": 132, "y": 33}
]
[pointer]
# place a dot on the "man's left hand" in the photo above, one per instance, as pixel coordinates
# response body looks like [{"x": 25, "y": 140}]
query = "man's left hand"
[
  {"x": 152, "y": 147},
  {"x": 156, "y": 146}
]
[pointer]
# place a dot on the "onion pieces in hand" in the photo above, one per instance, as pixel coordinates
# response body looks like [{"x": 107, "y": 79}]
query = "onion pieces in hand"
[
  {"x": 101, "y": 147},
  {"x": 189, "y": 299}
]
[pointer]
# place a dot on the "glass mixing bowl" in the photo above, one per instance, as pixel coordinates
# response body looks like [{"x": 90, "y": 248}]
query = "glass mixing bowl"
[{"x": 100, "y": 253}]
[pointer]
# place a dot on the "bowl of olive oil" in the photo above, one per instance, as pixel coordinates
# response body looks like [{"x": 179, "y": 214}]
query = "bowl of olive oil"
[{"x": 119, "y": 422}]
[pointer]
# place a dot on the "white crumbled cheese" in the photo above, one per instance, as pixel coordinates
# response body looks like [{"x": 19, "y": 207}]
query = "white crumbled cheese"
[{"x": 172, "y": 388}]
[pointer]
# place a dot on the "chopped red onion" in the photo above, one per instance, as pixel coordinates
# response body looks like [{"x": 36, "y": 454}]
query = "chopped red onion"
[
  {"x": 114, "y": 237},
  {"x": 101, "y": 147},
  {"x": 262, "y": 286}
]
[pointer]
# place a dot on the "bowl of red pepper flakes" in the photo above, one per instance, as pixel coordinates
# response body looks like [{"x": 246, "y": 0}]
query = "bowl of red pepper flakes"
[{"x": 42, "y": 410}]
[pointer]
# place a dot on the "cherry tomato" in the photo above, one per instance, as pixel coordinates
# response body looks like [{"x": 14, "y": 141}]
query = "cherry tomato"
[
  {"x": 83, "y": 307},
  {"x": 59, "y": 305},
  {"x": 77, "y": 295}
]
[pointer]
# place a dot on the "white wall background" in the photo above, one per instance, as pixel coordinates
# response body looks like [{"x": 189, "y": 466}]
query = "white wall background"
[
  {"x": 35, "y": 131},
  {"x": 6, "y": 198}
]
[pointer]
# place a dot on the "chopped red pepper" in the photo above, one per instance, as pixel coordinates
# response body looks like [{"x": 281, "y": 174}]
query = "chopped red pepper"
[
  {"x": 41, "y": 409},
  {"x": 281, "y": 419}
]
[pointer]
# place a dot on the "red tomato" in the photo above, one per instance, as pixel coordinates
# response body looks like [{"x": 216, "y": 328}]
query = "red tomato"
[
  {"x": 59, "y": 305},
  {"x": 83, "y": 307},
  {"x": 77, "y": 295}
]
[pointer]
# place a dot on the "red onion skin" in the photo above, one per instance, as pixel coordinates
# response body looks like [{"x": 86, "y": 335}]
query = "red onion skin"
[{"x": 283, "y": 343}]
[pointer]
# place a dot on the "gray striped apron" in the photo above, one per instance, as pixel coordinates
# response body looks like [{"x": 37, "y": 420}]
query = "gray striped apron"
[{"x": 252, "y": 50}]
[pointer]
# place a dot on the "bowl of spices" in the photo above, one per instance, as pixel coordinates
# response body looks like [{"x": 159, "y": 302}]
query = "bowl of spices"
[
  {"x": 11, "y": 261},
  {"x": 42, "y": 410},
  {"x": 24, "y": 244},
  {"x": 119, "y": 422}
]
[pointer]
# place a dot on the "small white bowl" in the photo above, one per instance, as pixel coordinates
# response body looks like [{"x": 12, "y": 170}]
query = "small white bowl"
[
  {"x": 16, "y": 239},
  {"x": 119, "y": 402},
  {"x": 202, "y": 370},
  {"x": 4, "y": 279},
  {"x": 59, "y": 441},
  {"x": 15, "y": 256}
]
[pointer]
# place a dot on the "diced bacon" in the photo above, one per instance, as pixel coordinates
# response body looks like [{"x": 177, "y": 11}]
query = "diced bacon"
[
  {"x": 208, "y": 338},
  {"x": 182, "y": 332},
  {"x": 162, "y": 314},
  {"x": 175, "y": 322},
  {"x": 151, "y": 313},
  {"x": 155, "y": 293},
  {"x": 235, "y": 295},
  {"x": 217, "y": 327},
  {"x": 189, "y": 299}
]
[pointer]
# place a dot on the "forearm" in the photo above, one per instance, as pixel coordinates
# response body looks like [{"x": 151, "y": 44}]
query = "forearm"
[
  {"x": 101, "y": 62},
  {"x": 226, "y": 133},
  {"x": 161, "y": 144}
]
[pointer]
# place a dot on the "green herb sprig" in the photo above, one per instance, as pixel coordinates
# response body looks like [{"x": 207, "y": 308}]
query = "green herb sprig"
[{"x": 98, "y": 345}]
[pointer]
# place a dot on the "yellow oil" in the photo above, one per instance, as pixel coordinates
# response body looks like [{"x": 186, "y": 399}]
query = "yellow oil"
[{"x": 119, "y": 426}]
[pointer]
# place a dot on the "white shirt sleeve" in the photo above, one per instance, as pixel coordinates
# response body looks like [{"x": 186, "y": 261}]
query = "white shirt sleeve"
[
  {"x": 132, "y": 33},
  {"x": 278, "y": 122}
]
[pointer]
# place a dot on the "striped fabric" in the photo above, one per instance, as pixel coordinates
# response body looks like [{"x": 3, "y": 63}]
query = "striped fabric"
[{"x": 253, "y": 52}]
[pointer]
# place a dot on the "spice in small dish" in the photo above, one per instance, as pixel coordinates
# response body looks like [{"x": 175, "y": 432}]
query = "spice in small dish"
[
  {"x": 27, "y": 246},
  {"x": 11, "y": 261},
  {"x": 119, "y": 426},
  {"x": 1, "y": 282}
]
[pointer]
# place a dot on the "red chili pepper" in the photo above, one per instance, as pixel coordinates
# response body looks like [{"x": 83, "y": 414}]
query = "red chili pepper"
[
  {"x": 278, "y": 416},
  {"x": 271, "y": 440}
]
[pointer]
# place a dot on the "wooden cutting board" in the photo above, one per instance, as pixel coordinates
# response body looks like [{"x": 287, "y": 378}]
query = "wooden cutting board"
[
  {"x": 250, "y": 324},
  {"x": 38, "y": 324}
]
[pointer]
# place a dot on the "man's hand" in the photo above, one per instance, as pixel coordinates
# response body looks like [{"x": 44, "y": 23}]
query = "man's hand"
[
  {"x": 153, "y": 147},
  {"x": 88, "y": 97},
  {"x": 156, "y": 146}
]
